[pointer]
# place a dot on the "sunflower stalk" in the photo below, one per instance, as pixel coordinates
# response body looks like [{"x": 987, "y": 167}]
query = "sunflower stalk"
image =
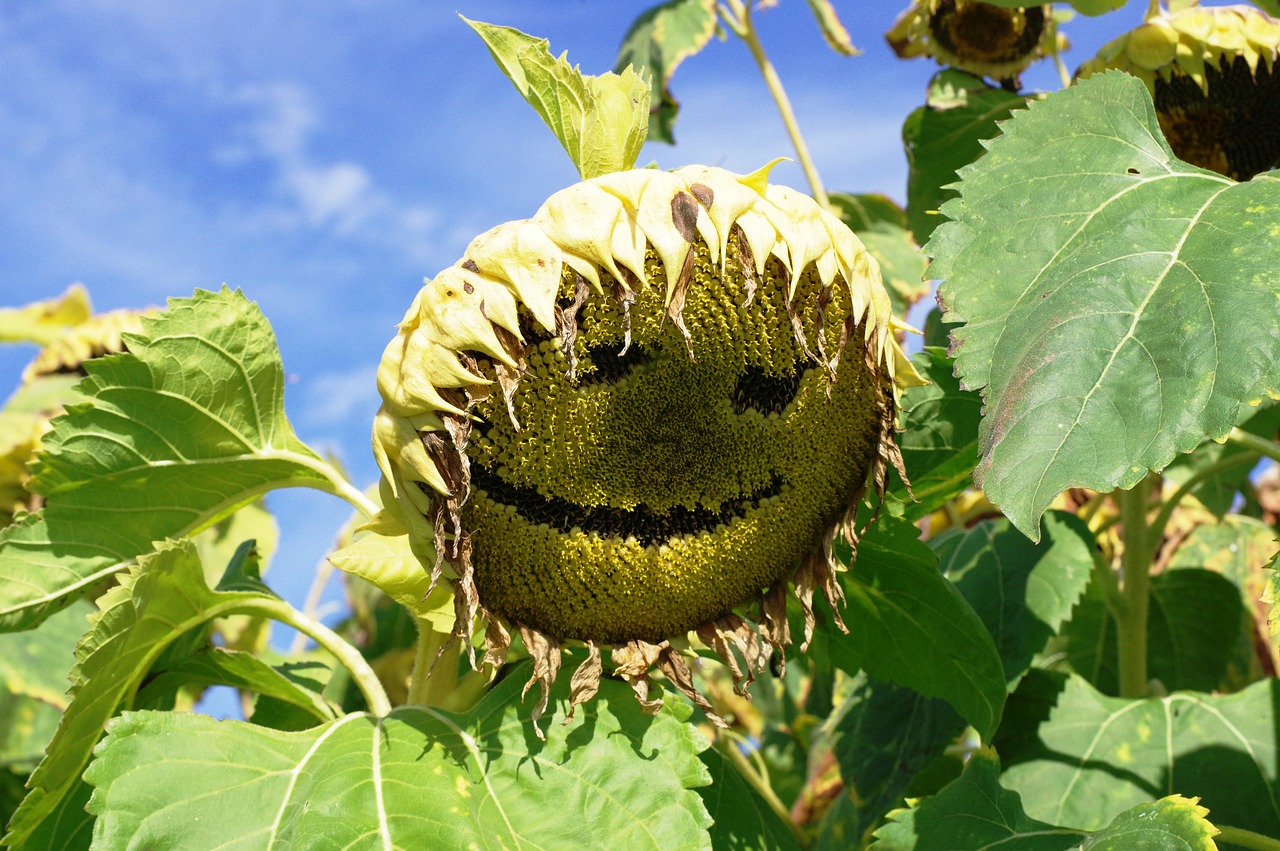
[
  {"x": 737, "y": 17},
  {"x": 1135, "y": 589}
]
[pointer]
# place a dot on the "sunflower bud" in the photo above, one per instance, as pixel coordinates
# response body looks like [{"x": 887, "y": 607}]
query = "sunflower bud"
[
  {"x": 983, "y": 39},
  {"x": 1212, "y": 73},
  {"x": 653, "y": 403}
]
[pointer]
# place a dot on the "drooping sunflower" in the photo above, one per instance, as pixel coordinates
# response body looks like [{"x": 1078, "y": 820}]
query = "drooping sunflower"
[
  {"x": 1212, "y": 73},
  {"x": 649, "y": 406},
  {"x": 986, "y": 40}
]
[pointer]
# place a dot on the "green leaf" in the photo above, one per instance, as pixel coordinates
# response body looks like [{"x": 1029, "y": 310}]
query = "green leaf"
[
  {"x": 36, "y": 663},
  {"x": 45, "y": 321},
  {"x": 1193, "y": 631},
  {"x": 911, "y": 626},
  {"x": 976, "y": 812},
  {"x": 244, "y": 671},
  {"x": 419, "y": 778},
  {"x": 1271, "y": 7},
  {"x": 882, "y": 227},
  {"x": 380, "y": 554},
  {"x": 972, "y": 812},
  {"x": 940, "y": 442},
  {"x": 600, "y": 121},
  {"x": 946, "y": 134},
  {"x": 655, "y": 45},
  {"x": 1022, "y": 591},
  {"x": 179, "y": 433},
  {"x": 885, "y": 736},
  {"x": 1271, "y": 597},
  {"x": 1100, "y": 755},
  {"x": 1119, "y": 304},
  {"x": 158, "y": 601},
  {"x": 742, "y": 821}
]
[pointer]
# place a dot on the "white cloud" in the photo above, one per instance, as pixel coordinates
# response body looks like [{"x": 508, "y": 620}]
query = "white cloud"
[{"x": 336, "y": 398}]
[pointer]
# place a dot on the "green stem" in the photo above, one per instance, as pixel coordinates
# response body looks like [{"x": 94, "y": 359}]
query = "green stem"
[
  {"x": 349, "y": 657},
  {"x": 737, "y": 16},
  {"x": 430, "y": 686},
  {"x": 1246, "y": 838},
  {"x": 1135, "y": 590},
  {"x": 1156, "y": 529},
  {"x": 733, "y": 753},
  {"x": 1255, "y": 443}
]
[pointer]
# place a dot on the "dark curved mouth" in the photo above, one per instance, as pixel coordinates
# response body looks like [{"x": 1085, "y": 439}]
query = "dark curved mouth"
[{"x": 642, "y": 523}]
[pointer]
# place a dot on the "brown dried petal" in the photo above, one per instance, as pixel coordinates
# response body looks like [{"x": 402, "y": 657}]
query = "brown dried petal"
[
  {"x": 727, "y": 633},
  {"x": 678, "y": 674},
  {"x": 773, "y": 622},
  {"x": 497, "y": 641},
  {"x": 545, "y": 652},
  {"x": 747, "y": 262},
  {"x": 567, "y": 323},
  {"x": 632, "y": 662},
  {"x": 676, "y": 305},
  {"x": 586, "y": 679}
]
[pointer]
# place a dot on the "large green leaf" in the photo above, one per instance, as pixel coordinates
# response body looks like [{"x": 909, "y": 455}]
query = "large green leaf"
[
  {"x": 1022, "y": 591},
  {"x": 155, "y": 603},
  {"x": 885, "y": 735},
  {"x": 1100, "y": 755},
  {"x": 945, "y": 135},
  {"x": 419, "y": 778},
  {"x": 179, "y": 432},
  {"x": 882, "y": 227},
  {"x": 909, "y": 625},
  {"x": 974, "y": 812},
  {"x": 601, "y": 121},
  {"x": 1194, "y": 626},
  {"x": 940, "y": 441},
  {"x": 655, "y": 45},
  {"x": 1119, "y": 304}
]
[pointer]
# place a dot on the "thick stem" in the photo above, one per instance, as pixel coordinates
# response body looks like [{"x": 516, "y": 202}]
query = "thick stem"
[
  {"x": 1246, "y": 838},
  {"x": 1135, "y": 590},
  {"x": 737, "y": 17},
  {"x": 432, "y": 682},
  {"x": 349, "y": 657}
]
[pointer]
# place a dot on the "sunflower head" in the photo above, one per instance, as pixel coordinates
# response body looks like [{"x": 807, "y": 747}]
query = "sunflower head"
[
  {"x": 98, "y": 335},
  {"x": 629, "y": 417},
  {"x": 983, "y": 39},
  {"x": 1212, "y": 74}
]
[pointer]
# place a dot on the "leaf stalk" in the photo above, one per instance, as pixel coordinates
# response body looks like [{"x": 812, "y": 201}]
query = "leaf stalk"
[{"x": 347, "y": 655}]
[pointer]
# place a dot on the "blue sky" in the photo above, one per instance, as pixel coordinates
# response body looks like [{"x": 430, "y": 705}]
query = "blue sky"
[{"x": 325, "y": 157}]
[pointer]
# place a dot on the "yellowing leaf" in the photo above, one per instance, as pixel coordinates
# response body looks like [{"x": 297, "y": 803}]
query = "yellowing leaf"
[
  {"x": 600, "y": 121},
  {"x": 45, "y": 321}
]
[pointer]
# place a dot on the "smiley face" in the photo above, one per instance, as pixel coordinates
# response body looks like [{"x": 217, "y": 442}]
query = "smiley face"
[{"x": 659, "y": 488}]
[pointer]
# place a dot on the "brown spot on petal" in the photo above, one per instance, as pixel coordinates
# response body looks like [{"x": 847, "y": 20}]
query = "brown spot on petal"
[
  {"x": 684, "y": 215},
  {"x": 470, "y": 266},
  {"x": 469, "y": 289},
  {"x": 705, "y": 194}
]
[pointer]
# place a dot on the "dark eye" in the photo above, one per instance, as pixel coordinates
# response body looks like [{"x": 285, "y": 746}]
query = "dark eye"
[
  {"x": 768, "y": 394},
  {"x": 610, "y": 365}
]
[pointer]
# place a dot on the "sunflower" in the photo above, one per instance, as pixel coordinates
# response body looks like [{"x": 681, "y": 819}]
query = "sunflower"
[
  {"x": 1212, "y": 74},
  {"x": 983, "y": 39},
  {"x": 636, "y": 414}
]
